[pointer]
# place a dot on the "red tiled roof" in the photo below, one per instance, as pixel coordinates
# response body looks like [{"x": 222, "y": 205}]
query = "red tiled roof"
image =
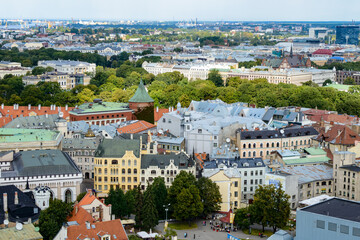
[
  {"x": 158, "y": 113},
  {"x": 226, "y": 219},
  {"x": 113, "y": 227},
  {"x": 315, "y": 112},
  {"x": 339, "y": 134},
  {"x": 200, "y": 157},
  {"x": 87, "y": 199},
  {"x": 81, "y": 216},
  {"x": 137, "y": 127},
  {"x": 9, "y": 113},
  {"x": 323, "y": 52}
]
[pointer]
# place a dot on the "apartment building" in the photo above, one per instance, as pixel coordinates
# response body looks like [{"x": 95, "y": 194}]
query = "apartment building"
[
  {"x": 65, "y": 80},
  {"x": 69, "y": 67}
]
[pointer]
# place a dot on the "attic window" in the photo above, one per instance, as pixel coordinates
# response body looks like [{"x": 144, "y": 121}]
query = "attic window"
[{"x": 199, "y": 130}]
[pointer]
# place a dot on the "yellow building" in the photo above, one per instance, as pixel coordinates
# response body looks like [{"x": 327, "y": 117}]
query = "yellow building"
[
  {"x": 229, "y": 182},
  {"x": 117, "y": 165}
]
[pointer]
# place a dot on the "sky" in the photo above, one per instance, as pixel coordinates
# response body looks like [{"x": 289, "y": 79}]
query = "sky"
[{"x": 168, "y": 10}]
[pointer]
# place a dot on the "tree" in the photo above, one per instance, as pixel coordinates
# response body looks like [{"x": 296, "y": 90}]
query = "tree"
[
  {"x": 130, "y": 201},
  {"x": 52, "y": 218},
  {"x": 181, "y": 181},
  {"x": 118, "y": 202},
  {"x": 209, "y": 194},
  {"x": 150, "y": 214},
  {"x": 139, "y": 199},
  {"x": 349, "y": 81},
  {"x": 160, "y": 195},
  {"x": 188, "y": 204},
  {"x": 80, "y": 196},
  {"x": 241, "y": 219},
  {"x": 215, "y": 77},
  {"x": 270, "y": 207},
  {"x": 326, "y": 82},
  {"x": 38, "y": 71}
]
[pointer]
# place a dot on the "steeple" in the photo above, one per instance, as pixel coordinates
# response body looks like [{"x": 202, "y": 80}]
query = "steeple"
[
  {"x": 291, "y": 51},
  {"x": 141, "y": 95},
  {"x": 27, "y": 184}
]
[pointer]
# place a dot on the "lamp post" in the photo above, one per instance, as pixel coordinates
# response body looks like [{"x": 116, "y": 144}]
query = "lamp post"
[{"x": 166, "y": 211}]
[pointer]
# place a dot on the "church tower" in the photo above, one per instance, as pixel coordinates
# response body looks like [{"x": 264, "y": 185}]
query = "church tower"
[{"x": 142, "y": 104}]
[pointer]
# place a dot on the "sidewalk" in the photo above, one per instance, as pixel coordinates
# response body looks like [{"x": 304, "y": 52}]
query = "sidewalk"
[{"x": 205, "y": 233}]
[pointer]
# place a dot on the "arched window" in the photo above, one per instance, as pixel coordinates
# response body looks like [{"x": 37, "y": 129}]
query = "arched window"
[
  {"x": 114, "y": 162},
  {"x": 249, "y": 145},
  {"x": 129, "y": 170},
  {"x": 99, "y": 170},
  {"x": 309, "y": 141},
  {"x": 272, "y": 145},
  {"x": 254, "y": 153},
  {"x": 296, "y": 143},
  {"x": 267, "y": 145},
  {"x": 135, "y": 171},
  {"x": 153, "y": 171},
  {"x": 105, "y": 162},
  {"x": 244, "y": 154},
  {"x": 277, "y": 144},
  {"x": 261, "y": 153},
  {"x": 254, "y": 145},
  {"x": 261, "y": 145},
  {"x": 249, "y": 154},
  {"x": 292, "y": 143},
  {"x": 300, "y": 142},
  {"x": 105, "y": 171},
  {"x": 123, "y": 171},
  {"x": 68, "y": 198},
  {"x": 244, "y": 146},
  {"x": 267, "y": 152}
]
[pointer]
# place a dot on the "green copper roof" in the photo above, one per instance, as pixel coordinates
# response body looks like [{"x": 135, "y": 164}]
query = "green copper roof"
[
  {"x": 141, "y": 95},
  {"x": 308, "y": 160},
  {"x": 8, "y": 135},
  {"x": 315, "y": 151},
  {"x": 87, "y": 108}
]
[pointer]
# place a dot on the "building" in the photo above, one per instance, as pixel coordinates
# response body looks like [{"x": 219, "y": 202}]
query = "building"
[
  {"x": 346, "y": 175},
  {"x": 12, "y": 68},
  {"x": 142, "y": 104},
  {"x": 69, "y": 67},
  {"x": 332, "y": 219},
  {"x": 318, "y": 33},
  {"x": 137, "y": 127},
  {"x": 102, "y": 113},
  {"x": 260, "y": 143},
  {"x": 65, "y": 80},
  {"x": 51, "y": 168},
  {"x": 251, "y": 170},
  {"x": 82, "y": 151},
  {"x": 117, "y": 165},
  {"x": 167, "y": 166},
  {"x": 341, "y": 75},
  {"x": 229, "y": 182},
  {"x": 347, "y": 34},
  {"x": 16, "y": 206},
  {"x": 289, "y": 183},
  {"x": 19, "y": 139},
  {"x": 23, "y": 232},
  {"x": 107, "y": 230}
]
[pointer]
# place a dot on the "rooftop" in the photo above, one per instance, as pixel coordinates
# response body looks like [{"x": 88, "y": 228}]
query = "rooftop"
[
  {"x": 306, "y": 160},
  {"x": 117, "y": 147},
  {"x": 138, "y": 126},
  {"x": 141, "y": 95},
  {"x": 336, "y": 207},
  {"x": 99, "y": 107},
  {"x": 9, "y": 135},
  {"x": 310, "y": 173},
  {"x": 28, "y": 232}
]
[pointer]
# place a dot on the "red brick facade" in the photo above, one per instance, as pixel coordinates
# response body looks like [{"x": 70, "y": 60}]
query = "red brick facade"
[{"x": 104, "y": 118}]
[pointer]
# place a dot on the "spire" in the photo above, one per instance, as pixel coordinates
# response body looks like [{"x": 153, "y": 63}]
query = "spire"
[
  {"x": 141, "y": 95},
  {"x": 291, "y": 51},
  {"x": 27, "y": 184}
]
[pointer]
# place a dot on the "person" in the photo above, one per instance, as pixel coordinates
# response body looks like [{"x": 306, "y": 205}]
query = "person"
[
  {"x": 185, "y": 235},
  {"x": 194, "y": 236},
  {"x": 210, "y": 222}
]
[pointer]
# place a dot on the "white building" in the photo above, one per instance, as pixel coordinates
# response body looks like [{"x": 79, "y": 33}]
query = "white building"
[
  {"x": 12, "y": 68},
  {"x": 70, "y": 67},
  {"x": 51, "y": 168}
]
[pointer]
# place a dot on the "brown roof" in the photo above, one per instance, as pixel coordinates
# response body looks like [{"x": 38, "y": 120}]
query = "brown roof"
[
  {"x": 137, "y": 127},
  {"x": 113, "y": 227},
  {"x": 339, "y": 134},
  {"x": 81, "y": 216}
]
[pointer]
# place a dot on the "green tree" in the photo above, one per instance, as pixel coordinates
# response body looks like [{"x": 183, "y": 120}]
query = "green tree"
[
  {"x": 130, "y": 201},
  {"x": 349, "y": 81},
  {"x": 52, "y": 218},
  {"x": 188, "y": 204},
  {"x": 160, "y": 196},
  {"x": 150, "y": 214},
  {"x": 209, "y": 194},
  {"x": 241, "y": 219},
  {"x": 80, "y": 196},
  {"x": 181, "y": 181},
  {"x": 215, "y": 77},
  {"x": 139, "y": 199},
  {"x": 118, "y": 202},
  {"x": 326, "y": 82},
  {"x": 270, "y": 207}
]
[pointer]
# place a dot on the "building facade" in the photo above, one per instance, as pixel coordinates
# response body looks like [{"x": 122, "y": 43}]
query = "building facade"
[
  {"x": 66, "y": 81},
  {"x": 69, "y": 67},
  {"x": 347, "y": 34}
]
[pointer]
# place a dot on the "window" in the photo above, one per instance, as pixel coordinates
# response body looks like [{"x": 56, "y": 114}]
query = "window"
[
  {"x": 135, "y": 171},
  {"x": 236, "y": 184},
  {"x": 123, "y": 171},
  {"x": 199, "y": 130},
  {"x": 129, "y": 170},
  {"x": 123, "y": 162},
  {"x": 251, "y": 181},
  {"x": 356, "y": 232},
  {"x": 244, "y": 154},
  {"x": 245, "y": 182},
  {"x": 235, "y": 194},
  {"x": 344, "y": 229},
  {"x": 244, "y": 146},
  {"x": 254, "y": 154},
  {"x": 129, "y": 162},
  {"x": 320, "y": 224},
  {"x": 254, "y": 146},
  {"x": 332, "y": 226},
  {"x": 245, "y": 173},
  {"x": 252, "y": 173},
  {"x": 105, "y": 162},
  {"x": 114, "y": 162}
]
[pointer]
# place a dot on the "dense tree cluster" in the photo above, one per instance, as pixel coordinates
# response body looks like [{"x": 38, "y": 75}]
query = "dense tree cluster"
[{"x": 270, "y": 207}]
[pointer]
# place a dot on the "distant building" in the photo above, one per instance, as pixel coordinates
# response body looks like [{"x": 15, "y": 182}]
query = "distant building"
[
  {"x": 318, "y": 33},
  {"x": 12, "y": 68},
  {"x": 341, "y": 75},
  {"x": 69, "y": 67},
  {"x": 65, "y": 80},
  {"x": 332, "y": 219},
  {"x": 347, "y": 34}
]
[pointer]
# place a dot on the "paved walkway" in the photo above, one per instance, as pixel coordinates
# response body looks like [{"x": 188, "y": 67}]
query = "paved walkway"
[{"x": 205, "y": 233}]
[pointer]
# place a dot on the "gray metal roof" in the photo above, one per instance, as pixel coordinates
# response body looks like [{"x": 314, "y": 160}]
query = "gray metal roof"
[
  {"x": 117, "y": 147},
  {"x": 79, "y": 143},
  {"x": 181, "y": 160},
  {"x": 35, "y": 122},
  {"x": 288, "y": 132}
]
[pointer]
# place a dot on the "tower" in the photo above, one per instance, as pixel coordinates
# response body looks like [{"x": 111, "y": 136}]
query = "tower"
[{"x": 142, "y": 104}]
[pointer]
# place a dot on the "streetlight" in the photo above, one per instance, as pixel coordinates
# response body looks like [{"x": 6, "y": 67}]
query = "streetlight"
[{"x": 166, "y": 211}]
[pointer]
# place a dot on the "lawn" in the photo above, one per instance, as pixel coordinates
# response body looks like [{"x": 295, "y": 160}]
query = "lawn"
[
  {"x": 255, "y": 232},
  {"x": 182, "y": 225}
]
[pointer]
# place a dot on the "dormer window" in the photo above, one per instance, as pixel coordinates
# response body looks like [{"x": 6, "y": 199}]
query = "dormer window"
[{"x": 199, "y": 130}]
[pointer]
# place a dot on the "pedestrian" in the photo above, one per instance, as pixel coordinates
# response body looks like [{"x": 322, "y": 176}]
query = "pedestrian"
[{"x": 210, "y": 222}]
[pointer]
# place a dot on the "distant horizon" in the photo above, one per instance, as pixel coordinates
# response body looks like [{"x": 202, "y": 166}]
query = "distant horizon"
[{"x": 167, "y": 10}]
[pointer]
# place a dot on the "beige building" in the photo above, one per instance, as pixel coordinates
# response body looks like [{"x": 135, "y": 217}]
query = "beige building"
[
  {"x": 12, "y": 68},
  {"x": 229, "y": 182},
  {"x": 117, "y": 165},
  {"x": 260, "y": 143},
  {"x": 346, "y": 176}
]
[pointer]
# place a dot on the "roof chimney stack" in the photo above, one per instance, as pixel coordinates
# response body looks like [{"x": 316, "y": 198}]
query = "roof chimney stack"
[
  {"x": 5, "y": 201},
  {"x": 16, "y": 200},
  {"x": 89, "y": 191}
]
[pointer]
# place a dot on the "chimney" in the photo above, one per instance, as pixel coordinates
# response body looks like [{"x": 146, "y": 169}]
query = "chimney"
[
  {"x": 157, "y": 109},
  {"x": 89, "y": 191},
  {"x": 16, "y": 200},
  {"x": 66, "y": 107},
  {"x": 2, "y": 106},
  {"x": 131, "y": 136},
  {"x": 46, "y": 115},
  {"x": 5, "y": 200},
  {"x": 29, "y": 106},
  {"x": 76, "y": 209},
  {"x": 14, "y": 106},
  {"x": 169, "y": 109},
  {"x": 39, "y": 106}
]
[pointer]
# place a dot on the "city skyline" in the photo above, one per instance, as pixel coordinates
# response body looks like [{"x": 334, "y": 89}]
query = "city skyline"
[{"x": 160, "y": 10}]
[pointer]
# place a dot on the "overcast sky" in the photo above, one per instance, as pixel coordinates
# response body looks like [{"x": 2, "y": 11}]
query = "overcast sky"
[{"x": 237, "y": 10}]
